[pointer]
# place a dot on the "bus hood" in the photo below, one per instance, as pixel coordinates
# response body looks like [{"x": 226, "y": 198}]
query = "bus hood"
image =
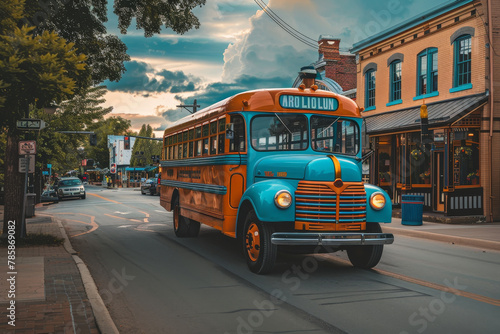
[{"x": 306, "y": 167}]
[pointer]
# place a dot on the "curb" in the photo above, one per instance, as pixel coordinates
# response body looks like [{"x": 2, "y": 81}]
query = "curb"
[
  {"x": 103, "y": 319},
  {"x": 462, "y": 241}
]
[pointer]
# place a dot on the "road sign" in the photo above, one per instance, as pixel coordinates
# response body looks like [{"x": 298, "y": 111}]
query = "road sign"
[
  {"x": 113, "y": 168},
  {"x": 23, "y": 162},
  {"x": 27, "y": 147},
  {"x": 30, "y": 124},
  {"x": 49, "y": 165}
]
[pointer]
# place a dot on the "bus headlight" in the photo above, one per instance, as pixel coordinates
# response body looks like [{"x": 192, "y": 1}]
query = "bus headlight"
[
  {"x": 283, "y": 199},
  {"x": 377, "y": 201}
]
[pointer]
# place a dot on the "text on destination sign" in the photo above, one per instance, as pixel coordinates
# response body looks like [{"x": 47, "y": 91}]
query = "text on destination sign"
[{"x": 308, "y": 102}]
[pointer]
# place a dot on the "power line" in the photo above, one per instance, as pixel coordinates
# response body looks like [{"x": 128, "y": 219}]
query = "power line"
[{"x": 285, "y": 26}]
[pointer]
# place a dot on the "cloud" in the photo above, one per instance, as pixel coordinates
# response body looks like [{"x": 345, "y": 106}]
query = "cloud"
[
  {"x": 266, "y": 50},
  {"x": 141, "y": 77},
  {"x": 217, "y": 91}
]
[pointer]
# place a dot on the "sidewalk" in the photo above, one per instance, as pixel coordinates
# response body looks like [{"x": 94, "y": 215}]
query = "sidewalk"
[
  {"x": 484, "y": 235},
  {"x": 50, "y": 296}
]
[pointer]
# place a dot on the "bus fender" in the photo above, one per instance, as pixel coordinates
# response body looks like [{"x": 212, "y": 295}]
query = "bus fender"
[
  {"x": 377, "y": 216},
  {"x": 261, "y": 197}
]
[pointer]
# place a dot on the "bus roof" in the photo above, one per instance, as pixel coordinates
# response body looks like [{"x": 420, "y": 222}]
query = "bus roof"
[{"x": 275, "y": 100}]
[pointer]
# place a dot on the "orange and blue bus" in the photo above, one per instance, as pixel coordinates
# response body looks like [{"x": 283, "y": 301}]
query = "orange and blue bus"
[{"x": 276, "y": 168}]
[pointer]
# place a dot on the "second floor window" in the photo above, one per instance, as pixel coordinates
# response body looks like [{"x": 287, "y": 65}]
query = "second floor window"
[
  {"x": 395, "y": 93},
  {"x": 462, "y": 61},
  {"x": 427, "y": 75},
  {"x": 370, "y": 89}
]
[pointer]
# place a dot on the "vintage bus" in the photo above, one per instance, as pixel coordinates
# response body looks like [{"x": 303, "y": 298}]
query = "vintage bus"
[{"x": 275, "y": 168}]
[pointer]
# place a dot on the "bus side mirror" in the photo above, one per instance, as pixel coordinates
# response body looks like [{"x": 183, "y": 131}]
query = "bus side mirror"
[
  {"x": 230, "y": 131},
  {"x": 367, "y": 154}
]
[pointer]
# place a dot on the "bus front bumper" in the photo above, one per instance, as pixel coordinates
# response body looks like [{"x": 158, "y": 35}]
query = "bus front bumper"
[{"x": 331, "y": 239}]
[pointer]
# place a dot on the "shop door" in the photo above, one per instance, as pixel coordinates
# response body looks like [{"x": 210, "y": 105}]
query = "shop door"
[{"x": 438, "y": 181}]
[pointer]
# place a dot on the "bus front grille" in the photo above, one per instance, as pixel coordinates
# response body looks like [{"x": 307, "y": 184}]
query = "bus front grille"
[{"x": 320, "y": 206}]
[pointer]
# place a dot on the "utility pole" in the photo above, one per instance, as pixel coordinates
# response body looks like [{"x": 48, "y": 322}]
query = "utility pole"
[{"x": 186, "y": 106}]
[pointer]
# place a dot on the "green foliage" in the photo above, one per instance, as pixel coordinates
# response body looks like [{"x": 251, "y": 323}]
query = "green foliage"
[
  {"x": 11, "y": 11},
  {"x": 35, "y": 68},
  {"x": 152, "y": 15},
  {"x": 147, "y": 147},
  {"x": 82, "y": 113},
  {"x": 82, "y": 22}
]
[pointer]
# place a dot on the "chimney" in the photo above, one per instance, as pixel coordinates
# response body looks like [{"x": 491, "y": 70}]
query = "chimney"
[
  {"x": 308, "y": 75},
  {"x": 329, "y": 47}
]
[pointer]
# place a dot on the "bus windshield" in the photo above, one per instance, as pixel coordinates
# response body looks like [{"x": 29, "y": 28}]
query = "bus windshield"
[
  {"x": 334, "y": 135},
  {"x": 279, "y": 132}
]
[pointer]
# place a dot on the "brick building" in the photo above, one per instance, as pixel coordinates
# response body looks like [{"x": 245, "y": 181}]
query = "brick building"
[
  {"x": 334, "y": 70},
  {"x": 448, "y": 60}
]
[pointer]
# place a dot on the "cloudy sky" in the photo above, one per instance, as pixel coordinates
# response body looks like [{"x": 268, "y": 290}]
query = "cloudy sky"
[{"x": 238, "y": 47}]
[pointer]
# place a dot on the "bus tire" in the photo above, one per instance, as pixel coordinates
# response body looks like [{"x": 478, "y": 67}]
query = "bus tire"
[
  {"x": 366, "y": 257},
  {"x": 181, "y": 225},
  {"x": 259, "y": 252},
  {"x": 194, "y": 228}
]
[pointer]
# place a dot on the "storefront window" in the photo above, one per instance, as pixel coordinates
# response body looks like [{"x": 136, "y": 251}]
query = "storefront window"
[
  {"x": 420, "y": 162},
  {"x": 384, "y": 161},
  {"x": 466, "y": 161}
]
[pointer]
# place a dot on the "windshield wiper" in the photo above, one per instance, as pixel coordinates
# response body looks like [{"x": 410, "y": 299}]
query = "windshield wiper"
[
  {"x": 335, "y": 121},
  {"x": 275, "y": 114}
]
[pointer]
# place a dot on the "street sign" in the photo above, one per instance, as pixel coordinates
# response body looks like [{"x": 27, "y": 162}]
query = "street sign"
[
  {"x": 27, "y": 147},
  {"x": 30, "y": 124},
  {"x": 49, "y": 165},
  {"x": 113, "y": 168},
  {"x": 23, "y": 162}
]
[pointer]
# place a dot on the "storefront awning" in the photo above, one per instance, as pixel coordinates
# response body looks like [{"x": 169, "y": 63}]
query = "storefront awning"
[
  {"x": 140, "y": 169},
  {"x": 440, "y": 114}
]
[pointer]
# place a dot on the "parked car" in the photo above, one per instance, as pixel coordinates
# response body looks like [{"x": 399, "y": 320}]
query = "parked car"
[
  {"x": 70, "y": 187},
  {"x": 49, "y": 194},
  {"x": 150, "y": 186}
]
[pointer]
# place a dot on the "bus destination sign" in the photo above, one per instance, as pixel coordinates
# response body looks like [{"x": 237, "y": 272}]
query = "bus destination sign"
[{"x": 309, "y": 102}]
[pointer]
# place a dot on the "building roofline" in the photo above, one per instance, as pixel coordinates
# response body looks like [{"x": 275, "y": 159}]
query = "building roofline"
[{"x": 408, "y": 24}]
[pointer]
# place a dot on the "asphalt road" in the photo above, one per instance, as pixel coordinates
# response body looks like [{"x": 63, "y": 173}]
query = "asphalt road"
[{"x": 153, "y": 282}]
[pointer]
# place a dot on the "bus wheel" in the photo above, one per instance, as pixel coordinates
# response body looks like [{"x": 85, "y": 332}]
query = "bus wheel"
[
  {"x": 259, "y": 252},
  {"x": 181, "y": 227},
  {"x": 184, "y": 227},
  {"x": 366, "y": 257}
]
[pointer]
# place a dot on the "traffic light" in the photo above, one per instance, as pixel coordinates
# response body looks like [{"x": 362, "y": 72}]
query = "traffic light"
[
  {"x": 126, "y": 143},
  {"x": 93, "y": 139}
]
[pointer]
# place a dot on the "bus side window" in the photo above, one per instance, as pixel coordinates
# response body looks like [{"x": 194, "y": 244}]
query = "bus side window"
[
  {"x": 197, "y": 149},
  {"x": 205, "y": 146},
  {"x": 222, "y": 140},
  {"x": 213, "y": 145},
  {"x": 238, "y": 143}
]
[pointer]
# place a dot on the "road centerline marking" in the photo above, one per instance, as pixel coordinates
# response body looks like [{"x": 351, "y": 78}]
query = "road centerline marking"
[
  {"x": 426, "y": 284},
  {"x": 104, "y": 198}
]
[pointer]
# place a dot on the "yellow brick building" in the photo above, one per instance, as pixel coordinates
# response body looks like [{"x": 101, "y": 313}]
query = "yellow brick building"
[{"x": 440, "y": 59}]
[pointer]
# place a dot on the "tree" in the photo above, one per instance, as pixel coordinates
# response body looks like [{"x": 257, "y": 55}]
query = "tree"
[
  {"x": 80, "y": 113},
  {"x": 34, "y": 69},
  {"x": 151, "y": 15},
  {"x": 82, "y": 22},
  {"x": 144, "y": 148}
]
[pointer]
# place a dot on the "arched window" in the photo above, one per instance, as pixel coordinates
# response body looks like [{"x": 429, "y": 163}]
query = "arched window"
[
  {"x": 462, "y": 61},
  {"x": 427, "y": 71},
  {"x": 370, "y": 89},
  {"x": 395, "y": 81}
]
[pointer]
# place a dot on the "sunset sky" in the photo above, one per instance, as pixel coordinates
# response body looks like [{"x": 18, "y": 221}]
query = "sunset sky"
[{"x": 237, "y": 48}]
